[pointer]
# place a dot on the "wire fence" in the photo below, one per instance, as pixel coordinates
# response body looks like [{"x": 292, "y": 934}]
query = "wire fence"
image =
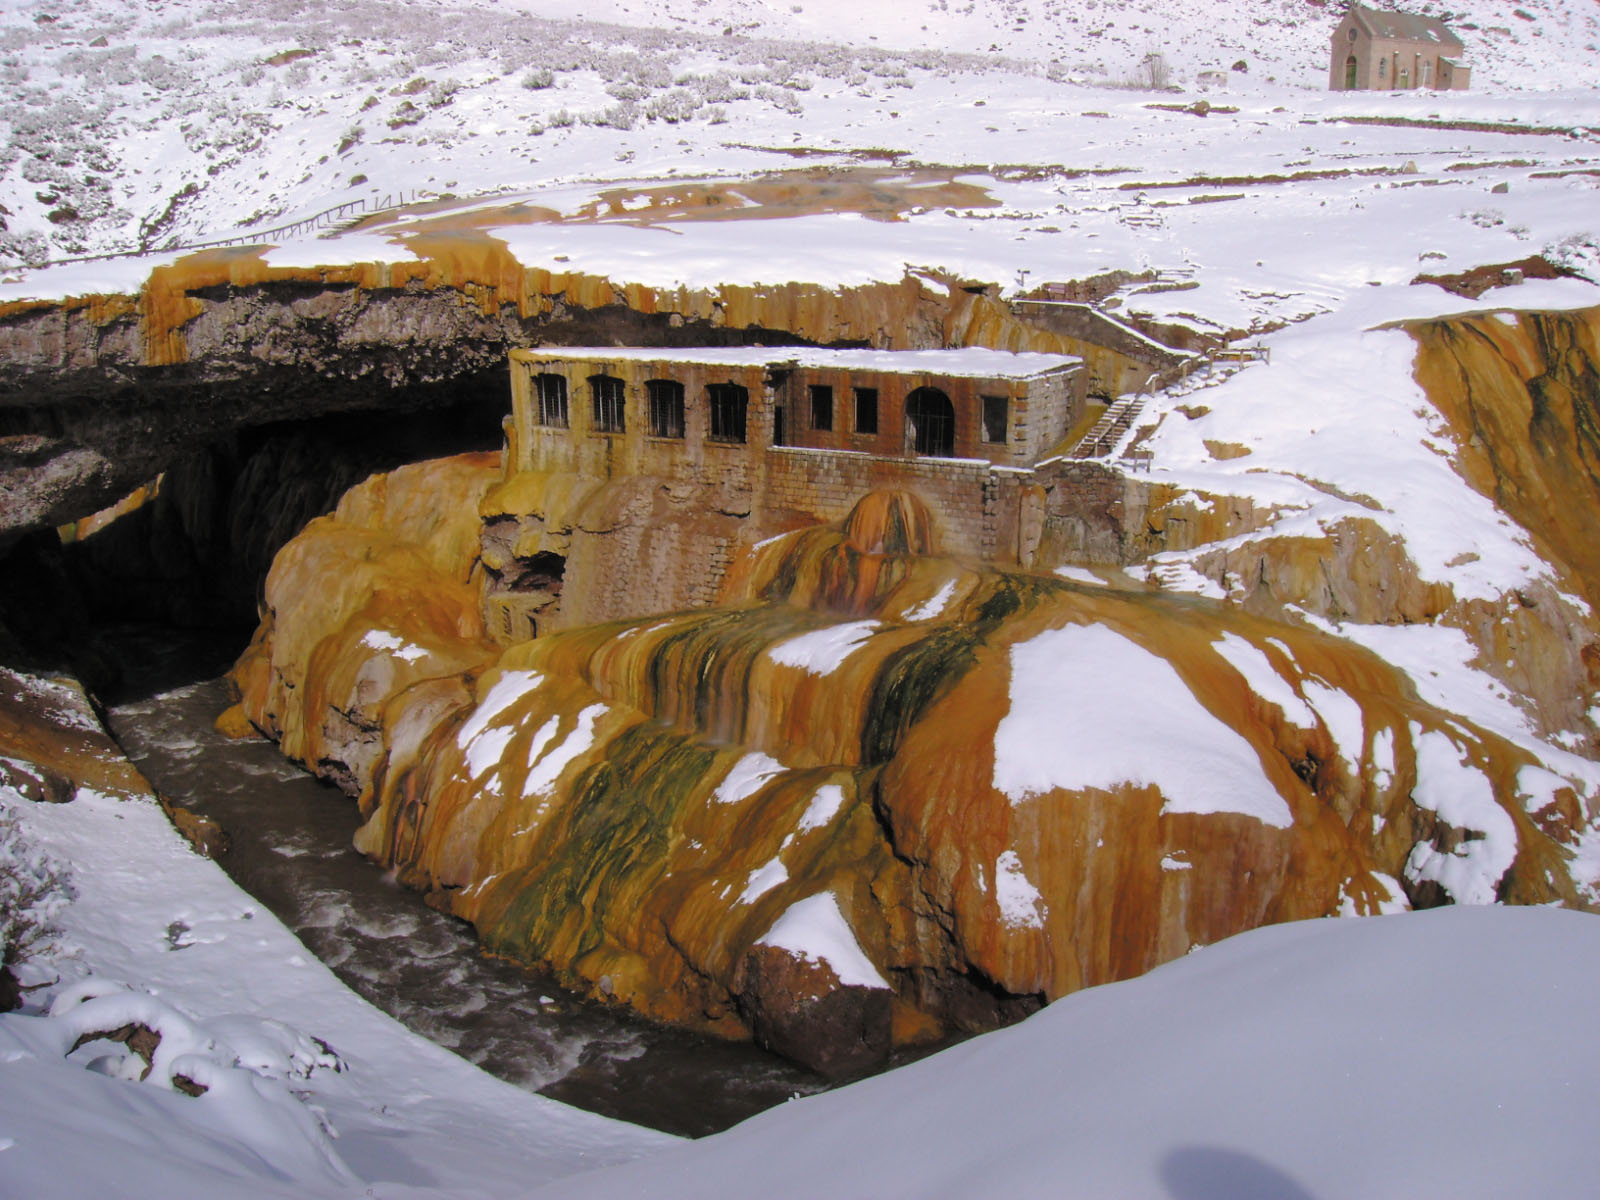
[{"x": 335, "y": 215}]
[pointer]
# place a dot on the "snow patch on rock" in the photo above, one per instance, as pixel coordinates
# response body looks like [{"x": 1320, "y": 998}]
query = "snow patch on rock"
[
  {"x": 815, "y": 930},
  {"x": 1062, "y": 735}
]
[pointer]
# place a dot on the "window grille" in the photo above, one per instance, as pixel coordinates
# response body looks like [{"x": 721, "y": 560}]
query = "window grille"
[
  {"x": 551, "y": 393},
  {"x": 729, "y": 406},
  {"x": 607, "y": 394},
  {"x": 666, "y": 408}
]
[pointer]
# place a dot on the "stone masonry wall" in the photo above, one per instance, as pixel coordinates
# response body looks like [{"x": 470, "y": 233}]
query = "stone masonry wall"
[{"x": 820, "y": 485}]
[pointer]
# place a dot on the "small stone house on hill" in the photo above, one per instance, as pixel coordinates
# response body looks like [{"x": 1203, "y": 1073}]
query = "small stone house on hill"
[{"x": 1377, "y": 50}]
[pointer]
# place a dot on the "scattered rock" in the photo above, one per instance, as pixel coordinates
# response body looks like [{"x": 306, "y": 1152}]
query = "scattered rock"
[
  {"x": 139, "y": 1038},
  {"x": 188, "y": 1086},
  {"x": 1225, "y": 450}
]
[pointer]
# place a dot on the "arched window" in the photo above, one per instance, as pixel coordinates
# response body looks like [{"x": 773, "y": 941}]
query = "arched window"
[
  {"x": 551, "y": 391},
  {"x": 729, "y": 405},
  {"x": 931, "y": 423},
  {"x": 666, "y": 407},
  {"x": 606, "y": 392}
]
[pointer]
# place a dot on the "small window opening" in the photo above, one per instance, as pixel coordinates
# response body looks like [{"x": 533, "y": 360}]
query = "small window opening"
[
  {"x": 866, "y": 410},
  {"x": 996, "y": 410},
  {"x": 931, "y": 422},
  {"x": 729, "y": 405},
  {"x": 551, "y": 391},
  {"x": 821, "y": 406},
  {"x": 666, "y": 408},
  {"x": 607, "y": 392}
]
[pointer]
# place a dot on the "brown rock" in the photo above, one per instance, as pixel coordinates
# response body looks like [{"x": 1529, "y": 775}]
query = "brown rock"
[
  {"x": 235, "y": 723},
  {"x": 208, "y": 838},
  {"x": 798, "y": 1008},
  {"x": 34, "y": 782}
]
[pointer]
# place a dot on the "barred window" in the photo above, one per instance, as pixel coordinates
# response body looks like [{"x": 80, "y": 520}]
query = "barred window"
[
  {"x": 729, "y": 404},
  {"x": 607, "y": 393},
  {"x": 666, "y": 407},
  {"x": 551, "y": 391}
]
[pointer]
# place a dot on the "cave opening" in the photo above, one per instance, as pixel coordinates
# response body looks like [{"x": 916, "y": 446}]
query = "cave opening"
[{"x": 189, "y": 549}]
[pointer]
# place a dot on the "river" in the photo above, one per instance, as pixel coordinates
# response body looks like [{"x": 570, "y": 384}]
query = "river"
[{"x": 290, "y": 836}]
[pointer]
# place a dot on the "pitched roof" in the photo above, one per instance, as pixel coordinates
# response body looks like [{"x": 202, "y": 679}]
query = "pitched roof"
[{"x": 1385, "y": 24}]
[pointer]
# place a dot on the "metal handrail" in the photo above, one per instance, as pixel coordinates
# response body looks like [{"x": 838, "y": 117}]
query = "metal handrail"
[{"x": 318, "y": 220}]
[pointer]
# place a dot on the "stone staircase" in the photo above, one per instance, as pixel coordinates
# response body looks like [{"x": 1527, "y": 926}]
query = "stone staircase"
[
  {"x": 1111, "y": 428},
  {"x": 1122, "y": 414}
]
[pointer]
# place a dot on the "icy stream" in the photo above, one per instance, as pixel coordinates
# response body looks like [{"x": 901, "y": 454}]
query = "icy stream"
[{"x": 291, "y": 849}]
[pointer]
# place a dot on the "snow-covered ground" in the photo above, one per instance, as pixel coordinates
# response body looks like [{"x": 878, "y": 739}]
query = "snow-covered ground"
[
  {"x": 1430, "y": 1054},
  {"x": 312, "y": 1092},
  {"x": 1433, "y": 1054}
]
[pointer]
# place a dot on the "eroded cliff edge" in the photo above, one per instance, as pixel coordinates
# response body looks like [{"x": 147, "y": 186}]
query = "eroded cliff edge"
[
  {"x": 876, "y": 793},
  {"x": 101, "y": 393}
]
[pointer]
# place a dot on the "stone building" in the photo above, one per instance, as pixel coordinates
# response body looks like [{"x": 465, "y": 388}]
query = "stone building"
[
  {"x": 633, "y": 475},
  {"x": 681, "y": 413},
  {"x": 1375, "y": 49}
]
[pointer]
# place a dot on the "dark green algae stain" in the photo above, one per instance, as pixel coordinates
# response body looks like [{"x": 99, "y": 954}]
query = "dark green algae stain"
[
  {"x": 609, "y": 847},
  {"x": 909, "y": 681}
]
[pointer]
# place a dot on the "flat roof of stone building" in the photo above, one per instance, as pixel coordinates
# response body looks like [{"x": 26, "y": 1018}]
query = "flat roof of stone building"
[{"x": 971, "y": 362}]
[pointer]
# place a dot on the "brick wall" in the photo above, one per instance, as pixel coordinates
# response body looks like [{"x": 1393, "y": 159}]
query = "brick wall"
[{"x": 817, "y": 485}]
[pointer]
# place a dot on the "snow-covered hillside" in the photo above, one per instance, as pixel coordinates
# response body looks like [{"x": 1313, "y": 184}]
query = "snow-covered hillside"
[
  {"x": 128, "y": 125},
  {"x": 1544, "y": 45}
]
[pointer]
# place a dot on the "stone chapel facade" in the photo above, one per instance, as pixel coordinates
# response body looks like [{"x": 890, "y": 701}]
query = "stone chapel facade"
[{"x": 1379, "y": 50}]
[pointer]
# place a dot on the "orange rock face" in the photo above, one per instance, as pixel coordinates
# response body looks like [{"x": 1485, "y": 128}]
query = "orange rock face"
[{"x": 1013, "y": 786}]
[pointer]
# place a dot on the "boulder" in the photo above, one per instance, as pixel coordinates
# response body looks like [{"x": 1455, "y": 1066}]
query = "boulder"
[{"x": 797, "y": 1006}]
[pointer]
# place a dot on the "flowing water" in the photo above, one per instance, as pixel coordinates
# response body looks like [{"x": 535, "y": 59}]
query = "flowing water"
[{"x": 291, "y": 849}]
